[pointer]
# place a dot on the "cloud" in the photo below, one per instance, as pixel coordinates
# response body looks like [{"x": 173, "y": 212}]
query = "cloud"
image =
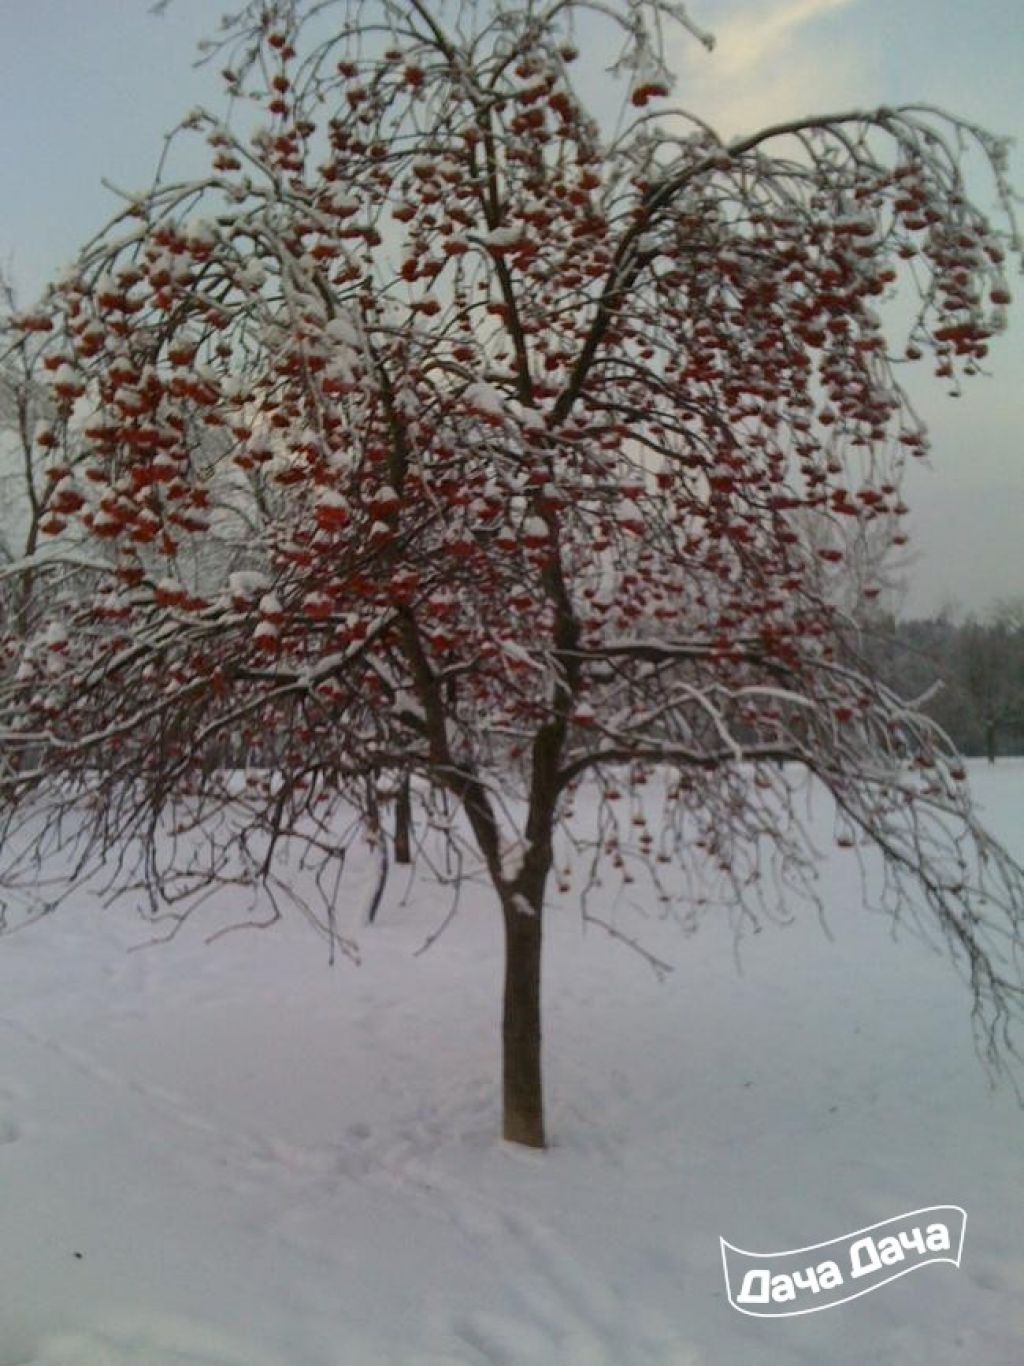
[
  {"x": 749, "y": 38},
  {"x": 772, "y": 61}
]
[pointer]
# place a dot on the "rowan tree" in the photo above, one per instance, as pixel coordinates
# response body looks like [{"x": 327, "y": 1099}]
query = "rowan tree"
[{"x": 516, "y": 425}]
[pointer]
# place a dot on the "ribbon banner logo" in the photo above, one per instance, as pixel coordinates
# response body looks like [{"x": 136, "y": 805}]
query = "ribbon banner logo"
[{"x": 802, "y": 1280}]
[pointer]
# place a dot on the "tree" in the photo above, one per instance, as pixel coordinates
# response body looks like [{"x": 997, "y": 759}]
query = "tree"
[
  {"x": 991, "y": 675},
  {"x": 967, "y": 674},
  {"x": 26, "y": 493},
  {"x": 526, "y": 419}
]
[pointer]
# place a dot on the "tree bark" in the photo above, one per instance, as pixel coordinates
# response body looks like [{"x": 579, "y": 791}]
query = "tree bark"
[
  {"x": 523, "y": 1113},
  {"x": 403, "y": 821}
]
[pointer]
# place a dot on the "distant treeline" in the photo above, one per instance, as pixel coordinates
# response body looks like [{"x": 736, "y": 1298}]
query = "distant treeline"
[{"x": 974, "y": 665}]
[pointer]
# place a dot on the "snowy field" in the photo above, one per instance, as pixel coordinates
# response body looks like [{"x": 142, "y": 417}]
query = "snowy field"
[{"x": 236, "y": 1155}]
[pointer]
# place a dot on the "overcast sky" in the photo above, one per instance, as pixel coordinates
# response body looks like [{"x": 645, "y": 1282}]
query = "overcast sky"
[{"x": 90, "y": 86}]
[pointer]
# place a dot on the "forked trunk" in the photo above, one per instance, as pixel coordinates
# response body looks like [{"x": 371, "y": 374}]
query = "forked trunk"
[{"x": 523, "y": 1113}]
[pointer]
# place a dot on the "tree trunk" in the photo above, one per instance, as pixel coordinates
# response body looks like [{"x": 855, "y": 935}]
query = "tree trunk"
[
  {"x": 523, "y": 1115},
  {"x": 990, "y": 738},
  {"x": 403, "y": 821}
]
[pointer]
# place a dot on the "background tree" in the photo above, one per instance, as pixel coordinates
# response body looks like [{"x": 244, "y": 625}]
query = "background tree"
[
  {"x": 968, "y": 673},
  {"x": 532, "y": 416},
  {"x": 990, "y": 670}
]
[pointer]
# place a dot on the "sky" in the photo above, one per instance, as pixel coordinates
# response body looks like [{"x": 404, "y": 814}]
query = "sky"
[{"x": 90, "y": 87}]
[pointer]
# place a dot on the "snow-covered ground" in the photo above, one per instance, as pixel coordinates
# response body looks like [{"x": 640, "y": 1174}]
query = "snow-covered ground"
[{"x": 236, "y": 1155}]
